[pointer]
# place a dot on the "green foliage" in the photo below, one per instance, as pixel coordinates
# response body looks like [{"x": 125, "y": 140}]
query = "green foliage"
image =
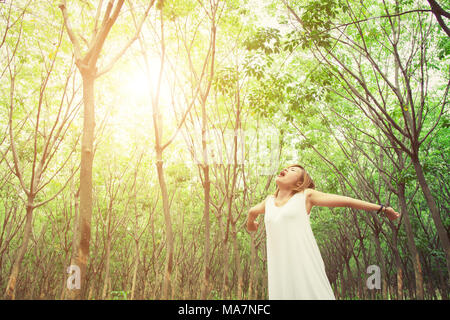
[
  {"x": 316, "y": 20},
  {"x": 225, "y": 81},
  {"x": 443, "y": 47},
  {"x": 266, "y": 39}
]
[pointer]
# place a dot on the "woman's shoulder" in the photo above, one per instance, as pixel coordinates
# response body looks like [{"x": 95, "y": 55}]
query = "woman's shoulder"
[{"x": 308, "y": 192}]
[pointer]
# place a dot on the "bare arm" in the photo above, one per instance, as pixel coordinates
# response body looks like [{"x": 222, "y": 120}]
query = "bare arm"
[
  {"x": 253, "y": 213},
  {"x": 322, "y": 199}
]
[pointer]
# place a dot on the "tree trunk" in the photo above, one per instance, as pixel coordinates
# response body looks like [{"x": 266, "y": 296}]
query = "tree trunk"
[
  {"x": 136, "y": 264},
  {"x": 359, "y": 280},
  {"x": 411, "y": 244},
  {"x": 75, "y": 225},
  {"x": 168, "y": 222},
  {"x": 225, "y": 264},
  {"x": 252, "y": 270},
  {"x": 207, "y": 249},
  {"x": 398, "y": 264},
  {"x": 349, "y": 278},
  {"x": 237, "y": 262},
  {"x": 206, "y": 186},
  {"x": 343, "y": 285},
  {"x": 10, "y": 292},
  {"x": 435, "y": 214},
  {"x": 81, "y": 255},
  {"x": 107, "y": 264},
  {"x": 380, "y": 258}
]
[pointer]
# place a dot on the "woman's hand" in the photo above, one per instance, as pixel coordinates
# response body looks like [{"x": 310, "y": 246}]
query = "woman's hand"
[
  {"x": 252, "y": 225},
  {"x": 391, "y": 213}
]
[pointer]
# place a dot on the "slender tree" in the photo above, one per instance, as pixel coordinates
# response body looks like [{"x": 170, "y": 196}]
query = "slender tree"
[{"x": 87, "y": 65}]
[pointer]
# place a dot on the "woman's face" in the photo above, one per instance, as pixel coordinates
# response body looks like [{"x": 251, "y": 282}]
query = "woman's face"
[{"x": 289, "y": 177}]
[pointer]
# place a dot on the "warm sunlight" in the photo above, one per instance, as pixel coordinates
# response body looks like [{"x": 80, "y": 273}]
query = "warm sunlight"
[
  {"x": 132, "y": 108},
  {"x": 141, "y": 83}
]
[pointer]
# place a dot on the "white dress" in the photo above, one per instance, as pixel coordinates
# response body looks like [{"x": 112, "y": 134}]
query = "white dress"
[{"x": 295, "y": 267}]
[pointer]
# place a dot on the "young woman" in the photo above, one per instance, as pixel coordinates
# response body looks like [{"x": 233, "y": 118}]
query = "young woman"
[{"x": 295, "y": 266}]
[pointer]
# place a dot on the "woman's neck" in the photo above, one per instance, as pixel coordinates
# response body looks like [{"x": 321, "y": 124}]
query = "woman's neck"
[{"x": 284, "y": 193}]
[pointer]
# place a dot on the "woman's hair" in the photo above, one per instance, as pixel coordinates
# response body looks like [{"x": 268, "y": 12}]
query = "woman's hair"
[{"x": 303, "y": 183}]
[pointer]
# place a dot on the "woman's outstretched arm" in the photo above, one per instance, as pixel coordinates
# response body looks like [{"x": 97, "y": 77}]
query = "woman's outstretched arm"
[{"x": 321, "y": 199}]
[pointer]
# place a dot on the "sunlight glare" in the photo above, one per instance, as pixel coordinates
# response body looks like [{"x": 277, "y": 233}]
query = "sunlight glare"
[
  {"x": 132, "y": 118},
  {"x": 143, "y": 85}
]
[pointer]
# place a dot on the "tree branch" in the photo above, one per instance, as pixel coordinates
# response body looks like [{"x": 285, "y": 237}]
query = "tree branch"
[
  {"x": 438, "y": 13},
  {"x": 130, "y": 42},
  {"x": 73, "y": 38},
  {"x": 17, "y": 170}
]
